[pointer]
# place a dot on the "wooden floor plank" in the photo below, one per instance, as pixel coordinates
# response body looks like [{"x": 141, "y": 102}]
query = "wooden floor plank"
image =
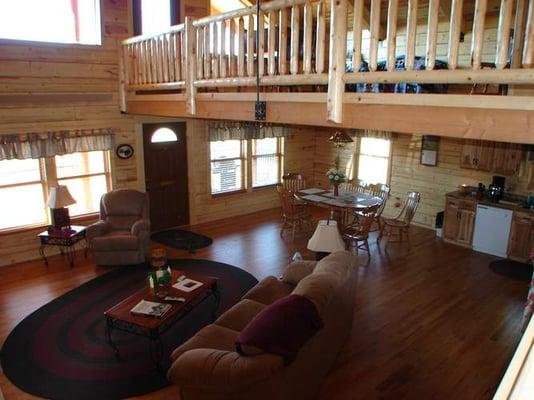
[{"x": 431, "y": 321}]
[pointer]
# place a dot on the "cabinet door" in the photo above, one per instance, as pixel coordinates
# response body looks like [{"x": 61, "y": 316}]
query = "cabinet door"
[
  {"x": 469, "y": 154},
  {"x": 451, "y": 223},
  {"x": 513, "y": 158},
  {"x": 519, "y": 244},
  {"x": 466, "y": 225},
  {"x": 484, "y": 156},
  {"x": 499, "y": 158}
]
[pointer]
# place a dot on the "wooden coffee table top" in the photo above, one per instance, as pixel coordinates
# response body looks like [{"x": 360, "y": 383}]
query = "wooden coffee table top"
[{"x": 121, "y": 311}]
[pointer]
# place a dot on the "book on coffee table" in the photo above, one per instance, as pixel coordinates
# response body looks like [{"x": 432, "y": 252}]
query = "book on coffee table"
[{"x": 150, "y": 308}]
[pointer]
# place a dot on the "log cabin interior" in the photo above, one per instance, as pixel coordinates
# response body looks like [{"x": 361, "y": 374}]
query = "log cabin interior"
[{"x": 287, "y": 199}]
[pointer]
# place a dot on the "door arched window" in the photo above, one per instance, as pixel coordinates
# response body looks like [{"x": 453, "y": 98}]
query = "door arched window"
[{"x": 163, "y": 135}]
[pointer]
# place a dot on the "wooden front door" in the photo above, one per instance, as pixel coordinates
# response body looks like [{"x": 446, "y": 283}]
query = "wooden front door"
[{"x": 166, "y": 174}]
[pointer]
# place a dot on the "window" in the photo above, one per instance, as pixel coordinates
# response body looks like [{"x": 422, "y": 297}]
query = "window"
[
  {"x": 24, "y": 186},
  {"x": 373, "y": 165},
  {"x": 163, "y": 135},
  {"x": 58, "y": 21},
  {"x": 266, "y": 160},
  {"x": 227, "y": 164},
  {"x": 230, "y": 163},
  {"x": 153, "y": 16}
]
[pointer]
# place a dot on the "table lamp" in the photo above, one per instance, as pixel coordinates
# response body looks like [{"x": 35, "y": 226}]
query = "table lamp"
[
  {"x": 326, "y": 239},
  {"x": 58, "y": 199}
]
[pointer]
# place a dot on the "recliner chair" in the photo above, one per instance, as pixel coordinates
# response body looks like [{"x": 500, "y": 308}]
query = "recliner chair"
[{"x": 122, "y": 234}]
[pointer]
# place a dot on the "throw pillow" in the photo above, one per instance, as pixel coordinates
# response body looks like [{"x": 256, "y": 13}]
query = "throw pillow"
[{"x": 281, "y": 328}]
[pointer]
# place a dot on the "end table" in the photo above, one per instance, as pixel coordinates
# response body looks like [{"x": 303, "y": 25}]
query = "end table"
[{"x": 65, "y": 239}]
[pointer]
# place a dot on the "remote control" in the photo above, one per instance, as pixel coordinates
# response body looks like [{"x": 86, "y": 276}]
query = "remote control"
[{"x": 172, "y": 298}]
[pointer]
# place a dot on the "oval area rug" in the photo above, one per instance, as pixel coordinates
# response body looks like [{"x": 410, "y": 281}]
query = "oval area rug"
[{"x": 60, "y": 351}]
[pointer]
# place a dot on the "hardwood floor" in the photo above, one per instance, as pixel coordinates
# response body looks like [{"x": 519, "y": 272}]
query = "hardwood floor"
[{"x": 431, "y": 322}]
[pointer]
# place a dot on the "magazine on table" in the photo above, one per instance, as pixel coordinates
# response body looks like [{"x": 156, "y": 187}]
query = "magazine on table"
[
  {"x": 187, "y": 285},
  {"x": 150, "y": 308}
]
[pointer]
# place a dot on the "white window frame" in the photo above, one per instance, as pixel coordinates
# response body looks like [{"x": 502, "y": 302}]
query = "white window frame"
[
  {"x": 388, "y": 158},
  {"x": 243, "y": 157},
  {"x": 47, "y": 167},
  {"x": 279, "y": 156}
]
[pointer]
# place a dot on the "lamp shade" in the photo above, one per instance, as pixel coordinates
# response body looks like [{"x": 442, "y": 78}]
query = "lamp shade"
[
  {"x": 326, "y": 238},
  {"x": 60, "y": 197},
  {"x": 340, "y": 138}
]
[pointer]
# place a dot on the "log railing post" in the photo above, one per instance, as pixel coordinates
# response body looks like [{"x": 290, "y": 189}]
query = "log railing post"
[
  {"x": 478, "y": 33},
  {"x": 393, "y": 7},
  {"x": 455, "y": 33},
  {"x": 519, "y": 32},
  {"x": 411, "y": 31},
  {"x": 320, "y": 39},
  {"x": 123, "y": 75},
  {"x": 336, "y": 68},
  {"x": 190, "y": 66},
  {"x": 375, "y": 33},
  {"x": 503, "y": 33},
  {"x": 528, "y": 50},
  {"x": 432, "y": 34}
]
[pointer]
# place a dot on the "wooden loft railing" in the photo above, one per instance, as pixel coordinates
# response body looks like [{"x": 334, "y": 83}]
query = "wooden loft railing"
[{"x": 221, "y": 51}]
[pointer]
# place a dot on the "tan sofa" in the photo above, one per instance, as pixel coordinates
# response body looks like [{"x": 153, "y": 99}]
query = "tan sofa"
[
  {"x": 208, "y": 367},
  {"x": 122, "y": 235}
]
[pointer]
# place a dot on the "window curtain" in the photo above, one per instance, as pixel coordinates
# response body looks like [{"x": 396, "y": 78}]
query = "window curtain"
[
  {"x": 225, "y": 130},
  {"x": 50, "y": 144},
  {"x": 371, "y": 133}
]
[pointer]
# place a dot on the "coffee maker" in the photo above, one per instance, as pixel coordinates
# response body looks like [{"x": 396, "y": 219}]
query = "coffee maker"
[{"x": 496, "y": 189}]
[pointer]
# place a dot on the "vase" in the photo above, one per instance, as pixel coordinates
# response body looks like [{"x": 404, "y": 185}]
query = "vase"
[{"x": 336, "y": 189}]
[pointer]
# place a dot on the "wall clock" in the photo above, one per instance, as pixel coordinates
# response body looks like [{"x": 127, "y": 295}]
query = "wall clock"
[{"x": 124, "y": 151}]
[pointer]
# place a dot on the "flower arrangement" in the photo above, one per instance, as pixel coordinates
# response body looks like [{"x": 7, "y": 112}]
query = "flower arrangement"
[{"x": 336, "y": 176}]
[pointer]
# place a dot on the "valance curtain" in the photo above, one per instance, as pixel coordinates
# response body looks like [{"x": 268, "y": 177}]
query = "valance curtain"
[
  {"x": 224, "y": 130},
  {"x": 50, "y": 144},
  {"x": 372, "y": 133}
]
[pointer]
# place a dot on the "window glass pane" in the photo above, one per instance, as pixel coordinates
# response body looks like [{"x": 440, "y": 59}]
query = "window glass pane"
[
  {"x": 225, "y": 149},
  {"x": 163, "y": 135},
  {"x": 80, "y": 164},
  {"x": 373, "y": 169},
  {"x": 19, "y": 171},
  {"x": 375, "y": 147},
  {"x": 22, "y": 205},
  {"x": 264, "y": 146},
  {"x": 265, "y": 171},
  {"x": 60, "y": 21},
  {"x": 87, "y": 193},
  {"x": 155, "y": 15},
  {"x": 226, "y": 176}
]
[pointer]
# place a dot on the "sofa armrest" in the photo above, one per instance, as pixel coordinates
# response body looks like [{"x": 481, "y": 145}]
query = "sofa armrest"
[
  {"x": 140, "y": 226},
  {"x": 221, "y": 370},
  {"x": 97, "y": 229},
  {"x": 298, "y": 270}
]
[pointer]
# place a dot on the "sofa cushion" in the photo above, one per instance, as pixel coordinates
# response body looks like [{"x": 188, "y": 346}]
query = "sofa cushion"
[
  {"x": 298, "y": 270},
  {"x": 269, "y": 290},
  {"x": 339, "y": 264},
  {"x": 210, "y": 337},
  {"x": 240, "y": 315},
  {"x": 115, "y": 240},
  {"x": 281, "y": 328},
  {"x": 318, "y": 287}
]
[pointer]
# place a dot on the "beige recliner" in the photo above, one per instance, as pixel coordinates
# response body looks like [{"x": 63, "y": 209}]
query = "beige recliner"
[
  {"x": 122, "y": 234},
  {"x": 208, "y": 367}
]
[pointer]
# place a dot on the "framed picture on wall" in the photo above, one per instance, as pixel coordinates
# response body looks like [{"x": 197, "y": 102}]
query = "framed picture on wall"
[{"x": 429, "y": 150}]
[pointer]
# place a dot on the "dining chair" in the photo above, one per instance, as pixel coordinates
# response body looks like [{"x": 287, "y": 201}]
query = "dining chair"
[
  {"x": 357, "y": 233},
  {"x": 402, "y": 222},
  {"x": 380, "y": 190},
  {"x": 293, "y": 216},
  {"x": 294, "y": 181}
]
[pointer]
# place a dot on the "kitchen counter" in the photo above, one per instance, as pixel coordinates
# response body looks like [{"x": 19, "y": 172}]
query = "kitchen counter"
[{"x": 471, "y": 198}]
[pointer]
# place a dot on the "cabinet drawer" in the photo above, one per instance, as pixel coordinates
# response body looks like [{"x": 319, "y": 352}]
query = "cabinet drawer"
[{"x": 461, "y": 204}]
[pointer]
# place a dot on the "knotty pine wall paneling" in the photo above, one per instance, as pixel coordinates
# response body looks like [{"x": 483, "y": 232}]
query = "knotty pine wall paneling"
[{"x": 46, "y": 86}]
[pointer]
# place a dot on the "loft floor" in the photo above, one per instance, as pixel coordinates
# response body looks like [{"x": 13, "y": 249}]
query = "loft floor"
[{"x": 431, "y": 322}]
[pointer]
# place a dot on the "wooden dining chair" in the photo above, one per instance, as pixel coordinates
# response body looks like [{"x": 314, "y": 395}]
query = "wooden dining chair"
[
  {"x": 402, "y": 222},
  {"x": 357, "y": 233},
  {"x": 380, "y": 190},
  {"x": 294, "y": 217},
  {"x": 294, "y": 181}
]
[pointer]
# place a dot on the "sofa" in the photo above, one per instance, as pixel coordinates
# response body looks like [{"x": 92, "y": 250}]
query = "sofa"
[
  {"x": 122, "y": 235},
  {"x": 208, "y": 366}
]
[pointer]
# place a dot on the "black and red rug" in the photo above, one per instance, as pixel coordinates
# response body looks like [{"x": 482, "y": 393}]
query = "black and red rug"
[{"x": 60, "y": 351}]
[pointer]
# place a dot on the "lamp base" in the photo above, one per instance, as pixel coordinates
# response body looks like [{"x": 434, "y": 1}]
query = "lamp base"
[{"x": 60, "y": 217}]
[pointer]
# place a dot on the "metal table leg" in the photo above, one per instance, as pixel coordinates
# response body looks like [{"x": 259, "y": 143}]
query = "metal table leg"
[
  {"x": 42, "y": 253},
  {"x": 109, "y": 330}
]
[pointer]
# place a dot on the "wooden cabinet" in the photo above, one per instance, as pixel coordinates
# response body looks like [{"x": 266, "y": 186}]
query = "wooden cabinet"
[
  {"x": 459, "y": 221},
  {"x": 500, "y": 158},
  {"x": 477, "y": 154},
  {"x": 521, "y": 241}
]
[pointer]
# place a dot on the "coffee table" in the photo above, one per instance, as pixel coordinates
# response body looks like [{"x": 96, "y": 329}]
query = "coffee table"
[{"x": 119, "y": 316}]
